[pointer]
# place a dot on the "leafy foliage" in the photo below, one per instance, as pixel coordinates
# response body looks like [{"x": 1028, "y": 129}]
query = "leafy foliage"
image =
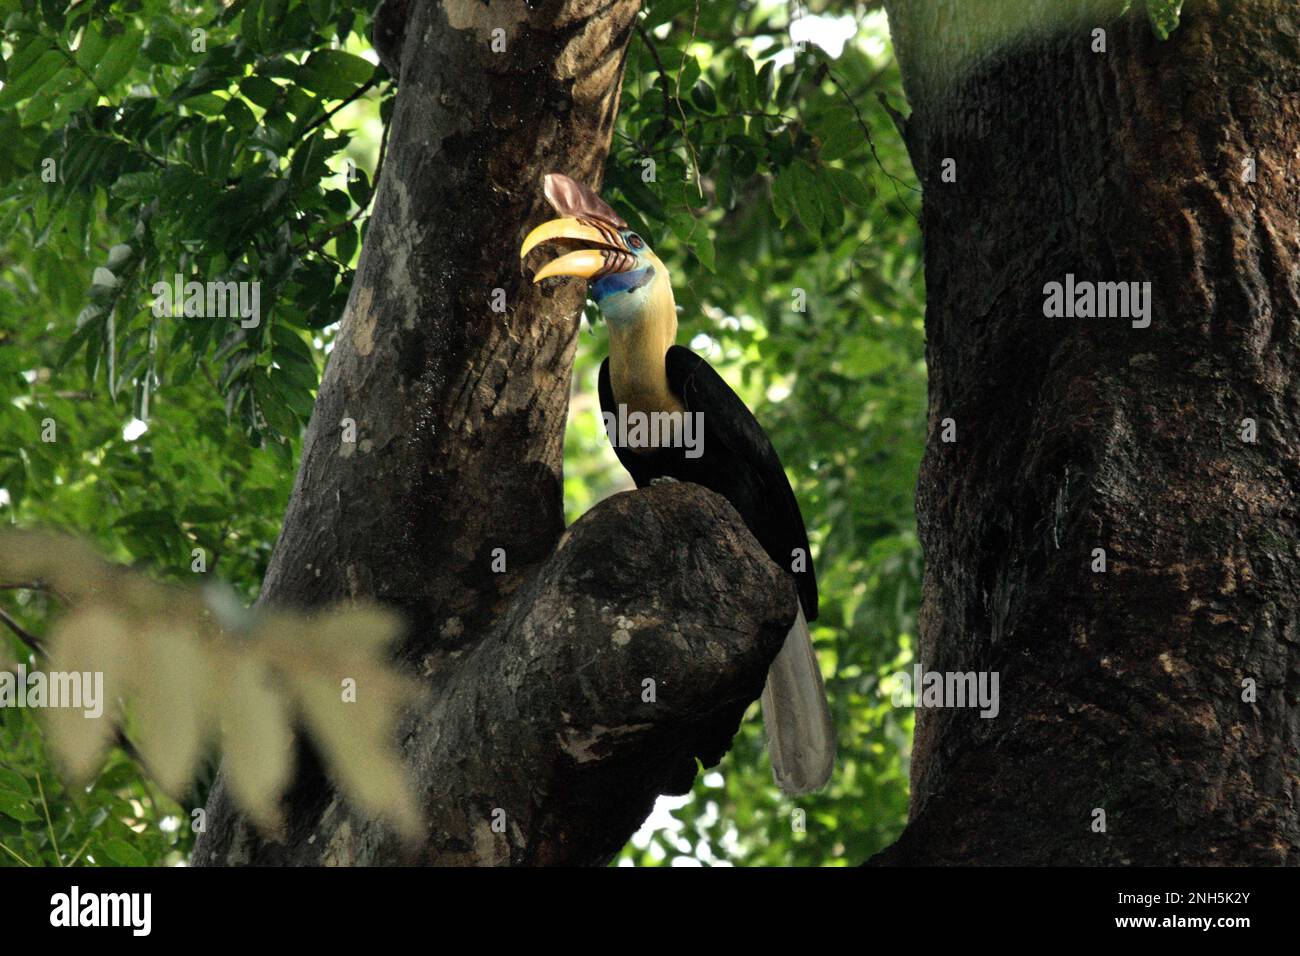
[
  {"x": 783, "y": 206},
  {"x": 202, "y": 142},
  {"x": 781, "y": 200},
  {"x": 180, "y": 667},
  {"x": 140, "y": 140},
  {"x": 1165, "y": 15}
]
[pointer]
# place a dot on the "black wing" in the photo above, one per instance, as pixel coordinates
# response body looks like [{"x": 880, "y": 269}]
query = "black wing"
[{"x": 738, "y": 463}]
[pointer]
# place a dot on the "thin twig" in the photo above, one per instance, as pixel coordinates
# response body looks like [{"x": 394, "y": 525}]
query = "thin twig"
[
  {"x": 663, "y": 77},
  {"x": 33, "y": 642},
  {"x": 128, "y": 748},
  {"x": 677, "y": 96},
  {"x": 871, "y": 143},
  {"x": 49, "y": 823},
  {"x": 379, "y": 162},
  {"x": 319, "y": 242},
  {"x": 695, "y": 159},
  {"x": 356, "y": 94},
  {"x": 24, "y": 635},
  {"x": 77, "y": 856},
  {"x": 14, "y": 855}
]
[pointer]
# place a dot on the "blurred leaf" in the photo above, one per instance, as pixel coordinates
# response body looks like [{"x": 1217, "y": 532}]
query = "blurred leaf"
[
  {"x": 334, "y": 73},
  {"x": 118, "y": 59}
]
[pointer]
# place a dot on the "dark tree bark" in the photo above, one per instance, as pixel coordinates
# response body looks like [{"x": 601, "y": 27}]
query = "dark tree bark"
[
  {"x": 1127, "y": 690},
  {"x": 626, "y": 656},
  {"x": 538, "y": 721}
]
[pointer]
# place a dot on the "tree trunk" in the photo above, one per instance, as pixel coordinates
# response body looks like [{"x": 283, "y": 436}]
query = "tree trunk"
[
  {"x": 576, "y": 685},
  {"x": 1128, "y": 732}
]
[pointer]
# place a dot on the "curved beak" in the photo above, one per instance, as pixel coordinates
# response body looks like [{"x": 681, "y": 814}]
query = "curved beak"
[{"x": 599, "y": 251}]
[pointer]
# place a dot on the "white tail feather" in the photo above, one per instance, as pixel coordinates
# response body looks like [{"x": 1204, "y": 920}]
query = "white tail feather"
[{"x": 800, "y": 735}]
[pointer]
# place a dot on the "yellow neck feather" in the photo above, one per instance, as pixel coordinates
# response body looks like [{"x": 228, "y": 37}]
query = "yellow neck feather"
[{"x": 637, "y": 373}]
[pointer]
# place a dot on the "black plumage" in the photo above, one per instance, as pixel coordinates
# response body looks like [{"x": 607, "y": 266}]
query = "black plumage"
[{"x": 738, "y": 462}]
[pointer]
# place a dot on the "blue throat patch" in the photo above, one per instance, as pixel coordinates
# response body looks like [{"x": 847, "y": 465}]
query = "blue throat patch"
[{"x": 608, "y": 285}]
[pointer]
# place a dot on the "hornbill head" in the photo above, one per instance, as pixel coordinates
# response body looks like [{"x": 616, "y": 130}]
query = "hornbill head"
[{"x": 618, "y": 263}]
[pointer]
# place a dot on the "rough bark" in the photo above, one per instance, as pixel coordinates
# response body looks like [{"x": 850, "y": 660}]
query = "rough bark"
[
  {"x": 1122, "y": 690},
  {"x": 459, "y": 413},
  {"x": 623, "y": 659}
]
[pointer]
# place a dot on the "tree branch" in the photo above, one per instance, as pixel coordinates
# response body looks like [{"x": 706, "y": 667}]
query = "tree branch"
[
  {"x": 27, "y": 637},
  {"x": 631, "y": 653},
  {"x": 458, "y": 408}
]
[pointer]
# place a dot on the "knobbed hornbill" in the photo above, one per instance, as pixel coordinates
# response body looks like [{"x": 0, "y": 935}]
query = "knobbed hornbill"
[{"x": 647, "y": 373}]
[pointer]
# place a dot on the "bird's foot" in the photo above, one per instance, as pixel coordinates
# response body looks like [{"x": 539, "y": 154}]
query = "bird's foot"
[{"x": 662, "y": 480}]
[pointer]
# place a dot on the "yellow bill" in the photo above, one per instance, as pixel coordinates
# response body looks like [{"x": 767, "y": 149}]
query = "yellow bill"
[
  {"x": 571, "y": 230},
  {"x": 599, "y": 250},
  {"x": 584, "y": 263}
]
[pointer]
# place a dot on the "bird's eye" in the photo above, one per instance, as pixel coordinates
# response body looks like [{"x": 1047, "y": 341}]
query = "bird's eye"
[{"x": 634, "y": 241}]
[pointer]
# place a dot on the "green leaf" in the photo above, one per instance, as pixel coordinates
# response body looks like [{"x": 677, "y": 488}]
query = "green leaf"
[
  {"x": 849, "y": 186},
  {"x": 767, "y": 79},
  {"x": 91, "y": 50},
  {"x": 157, "y": 521},
  {"x": 806, "y": 195},
  {"x": 783, "y": 196},
  {"x": 840, "y": 137},
  {"x": 321, "y": 11},
  {"x": 308, "y": 164},
  {"x": 159, "y": 50},
  {"x": 123, "y": 854},
  {"x": 248, "y": 24},
  {"x": 828, "y": 199},
  {"x": 662, "y": 11},
  {"x": 785, "y": 90},
  {"x": 17, "y": 807},
  {"x": 345, "y": 244},
  {"x": 15, "y": 782},
  {"x": 137, "y": 187},
  {"x": 26, "y": 54},
  {"x": 690, "y": 73},
  {"x": 208, "y": 104},
  {"x": 702, "y": 95},
  {"x": 359, "y": 187},
  {"x": 334, "y": 73},
  {"x": 259, "y": 90},
  {"x": 118, "y": 58},
  {"x": 746, "y": 82},
  {"x": 271, "y": 403},
  {"x": 29, "y": 81},
  {"x": 347, "y": 66},
  {"x": 90, "y": 326},
  {"x": 240, "y": 116},
  {"x": 702, "y": 244},
  {"x": 1165, "y": 16}
]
